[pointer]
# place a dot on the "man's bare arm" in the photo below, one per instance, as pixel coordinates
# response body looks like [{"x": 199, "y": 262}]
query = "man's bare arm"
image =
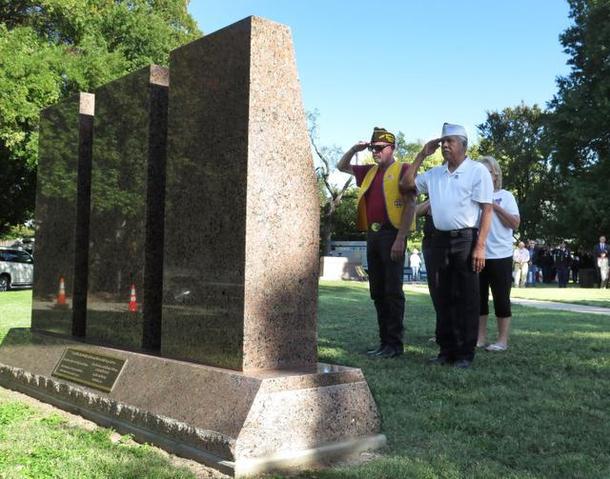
[
  {"x": 478, "y": 255},
  {"x": 407, "y": 182},
  {"x": 344, "y": 164},
  {"x": 406, "y": 220},
  {"x": 422, "y": 208}
]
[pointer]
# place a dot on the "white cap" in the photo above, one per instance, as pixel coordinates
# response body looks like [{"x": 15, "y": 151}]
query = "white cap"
[{"x": 453, "y": 130}]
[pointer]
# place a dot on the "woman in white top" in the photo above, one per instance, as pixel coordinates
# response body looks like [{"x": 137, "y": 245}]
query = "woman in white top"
[
  {"x": 602, "y": 264},
  {"x": 497, "y": 273}
]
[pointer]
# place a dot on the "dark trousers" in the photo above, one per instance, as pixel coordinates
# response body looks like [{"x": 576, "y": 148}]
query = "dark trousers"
[
  {"x": 456, "y": 287},
  {"x": 430, "y": 272},
  {"x": 385, "y": 280},
  {"x": 562, "y": 276}
]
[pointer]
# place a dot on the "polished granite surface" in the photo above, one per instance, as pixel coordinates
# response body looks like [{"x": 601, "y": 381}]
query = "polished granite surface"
[
  {"x": 127, "y": 189},
  {"x": 64, "y": 161},
  {"x": 241, "y": 228}
]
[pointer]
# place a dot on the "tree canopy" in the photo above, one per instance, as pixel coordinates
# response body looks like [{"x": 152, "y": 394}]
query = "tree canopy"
[
  {"x": 51, "y": 49},
  {"x": 557, "y": 161},
  {"x": 516, "y": 138},
  {"x": 579, "y": 123}
]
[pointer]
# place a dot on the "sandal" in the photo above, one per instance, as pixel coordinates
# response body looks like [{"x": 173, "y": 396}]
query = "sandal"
[{"x": 496, "y": 347}]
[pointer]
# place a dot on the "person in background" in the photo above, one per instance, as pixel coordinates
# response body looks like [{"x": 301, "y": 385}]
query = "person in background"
[
  {"x": 602, "y": 264},
  {"x": 497, "y": 273},
  {"x": 532, "y": 266},
  {"x": 601, "y": 247},
  {"x": 575, "y": 266},
  {"x": 386, "y": 215},
  {"x": 561, "y": 259},
  {"x": 415, "y": 263},
  {"x": 521, "y": 258},
  {"x": 545, "y": 261}
]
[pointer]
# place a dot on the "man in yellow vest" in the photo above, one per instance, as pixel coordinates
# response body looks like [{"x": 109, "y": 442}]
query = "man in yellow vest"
[{"x": 386, "y": 215}]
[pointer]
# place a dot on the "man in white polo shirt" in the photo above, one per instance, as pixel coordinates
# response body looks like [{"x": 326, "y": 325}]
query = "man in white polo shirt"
[{"x": 460, "y": 193}]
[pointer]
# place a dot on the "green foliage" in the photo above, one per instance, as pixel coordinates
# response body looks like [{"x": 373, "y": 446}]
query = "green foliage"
[
  {"x": 344, "y": 226},
  {"x": 19, "y": 231},
  {"x": 579, "y": 122},
  {"x": 51, "y": 49},
  {"x": 515, "y": 137}
]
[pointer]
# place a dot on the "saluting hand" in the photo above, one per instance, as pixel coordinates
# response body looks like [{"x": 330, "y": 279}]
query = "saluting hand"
[
  {"x": 361, "y": 145},
  {"x": 430, "y": 147}
]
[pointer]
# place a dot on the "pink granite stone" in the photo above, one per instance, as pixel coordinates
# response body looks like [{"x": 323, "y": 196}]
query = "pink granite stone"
[{"x": 241, "y": 230}]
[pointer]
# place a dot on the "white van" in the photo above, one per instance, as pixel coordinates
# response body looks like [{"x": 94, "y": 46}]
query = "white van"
[{"x": 16, "y": 269}]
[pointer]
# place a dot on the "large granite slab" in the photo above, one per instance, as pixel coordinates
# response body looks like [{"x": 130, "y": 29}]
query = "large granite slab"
[
  {"x": 62, "y": 204},
  {"x": 241, "y": 230},
  {"x": 127, "y": 203},
  {"x": 241, "y": 423}
]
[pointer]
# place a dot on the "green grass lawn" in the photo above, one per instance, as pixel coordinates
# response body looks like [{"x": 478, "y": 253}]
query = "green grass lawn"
[{"x": 540, "y": 410}]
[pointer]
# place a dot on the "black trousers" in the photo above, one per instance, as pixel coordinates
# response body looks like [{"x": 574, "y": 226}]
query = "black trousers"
[
  {"x": 456, "y": 288},
  {"x": 385, "y": 280}
]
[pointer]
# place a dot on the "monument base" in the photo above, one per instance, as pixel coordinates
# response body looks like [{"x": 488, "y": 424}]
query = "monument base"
[{"x": 241, "y": 423}]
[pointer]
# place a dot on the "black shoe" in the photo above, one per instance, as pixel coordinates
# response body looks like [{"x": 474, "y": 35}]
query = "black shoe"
[
  {"x": 440, "y": 360},
  {"x": 388, "y": 352},
  {"x": 377, "y": 350},
  {"x": 462, "y": 363}
]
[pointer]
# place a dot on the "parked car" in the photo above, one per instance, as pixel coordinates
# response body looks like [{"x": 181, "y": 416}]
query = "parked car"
[
  {"x": 16, "y": 269},
  {"x": 25, "y": 244}
]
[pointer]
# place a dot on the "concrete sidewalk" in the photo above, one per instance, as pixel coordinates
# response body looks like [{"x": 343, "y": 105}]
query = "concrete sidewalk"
[
  {"x": 535, "y": 303},
  {"x": 574, "y": 308}
]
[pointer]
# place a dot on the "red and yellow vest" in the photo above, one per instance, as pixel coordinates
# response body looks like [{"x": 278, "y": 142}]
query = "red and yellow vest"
[{"x": 393, "y": 200}]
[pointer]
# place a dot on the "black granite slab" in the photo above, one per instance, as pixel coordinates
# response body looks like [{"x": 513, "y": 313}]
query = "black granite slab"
[
  {"x": 127, "y": 197},
  {"x": 61, "y": 238}
]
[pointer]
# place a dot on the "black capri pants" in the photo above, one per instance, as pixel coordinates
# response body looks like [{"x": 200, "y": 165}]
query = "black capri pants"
[{"x": 497, "y": 274}]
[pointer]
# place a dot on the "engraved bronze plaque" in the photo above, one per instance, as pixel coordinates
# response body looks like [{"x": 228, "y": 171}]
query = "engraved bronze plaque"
[{"x": 94, "y": 370}]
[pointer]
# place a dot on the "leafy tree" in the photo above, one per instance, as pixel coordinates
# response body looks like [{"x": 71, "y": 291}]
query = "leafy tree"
[
  {"x": 579, "y": 123},
  {"x": 51, "y": 49},
  {"x": 330, "y": 195},
  {"x": 515, "y": 137}
]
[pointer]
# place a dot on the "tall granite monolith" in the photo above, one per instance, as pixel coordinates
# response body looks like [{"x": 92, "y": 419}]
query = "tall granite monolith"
[
  {"x": 127, "y": 191},
  {"x": 241, "y": 244},
  {"x": 62, "y": 205}
]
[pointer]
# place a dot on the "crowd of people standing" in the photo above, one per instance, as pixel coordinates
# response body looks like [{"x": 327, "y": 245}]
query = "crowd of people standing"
[{"x": 548, "y": 264}]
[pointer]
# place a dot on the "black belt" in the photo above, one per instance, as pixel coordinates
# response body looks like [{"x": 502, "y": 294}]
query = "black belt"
[
  {"x": 374, "y": 227},
  {"x": 461, "y": 233}
]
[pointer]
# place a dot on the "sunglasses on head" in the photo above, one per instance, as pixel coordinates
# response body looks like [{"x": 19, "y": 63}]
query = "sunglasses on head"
[{"x": 377, "y": 148}]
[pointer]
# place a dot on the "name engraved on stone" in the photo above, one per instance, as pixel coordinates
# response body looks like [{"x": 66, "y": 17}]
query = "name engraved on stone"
[{"x": 94, "y": 370}]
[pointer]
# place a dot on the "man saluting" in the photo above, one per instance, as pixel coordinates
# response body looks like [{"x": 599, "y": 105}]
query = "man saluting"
[
  {"x": 385, "y": 215},
  {"x": 460, "y": 192}
]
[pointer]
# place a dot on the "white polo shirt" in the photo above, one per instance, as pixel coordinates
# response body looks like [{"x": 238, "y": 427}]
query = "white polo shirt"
[
  {"x": 500, "y": 239},
  {"x": 455, "y": 197}
]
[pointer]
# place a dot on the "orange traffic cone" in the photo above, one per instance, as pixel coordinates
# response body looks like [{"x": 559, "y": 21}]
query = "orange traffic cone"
[
  {"x": 133, "y": 302},
  {"x": 61, "y": 296}
]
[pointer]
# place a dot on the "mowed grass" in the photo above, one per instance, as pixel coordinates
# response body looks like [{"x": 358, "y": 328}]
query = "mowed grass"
[
  {"x": 540, "y": 410},
  {"x": 572, "y": 294}
]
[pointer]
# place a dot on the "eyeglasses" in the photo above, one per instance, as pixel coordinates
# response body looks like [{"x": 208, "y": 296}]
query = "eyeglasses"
[{"x": 377, "y": 148}]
